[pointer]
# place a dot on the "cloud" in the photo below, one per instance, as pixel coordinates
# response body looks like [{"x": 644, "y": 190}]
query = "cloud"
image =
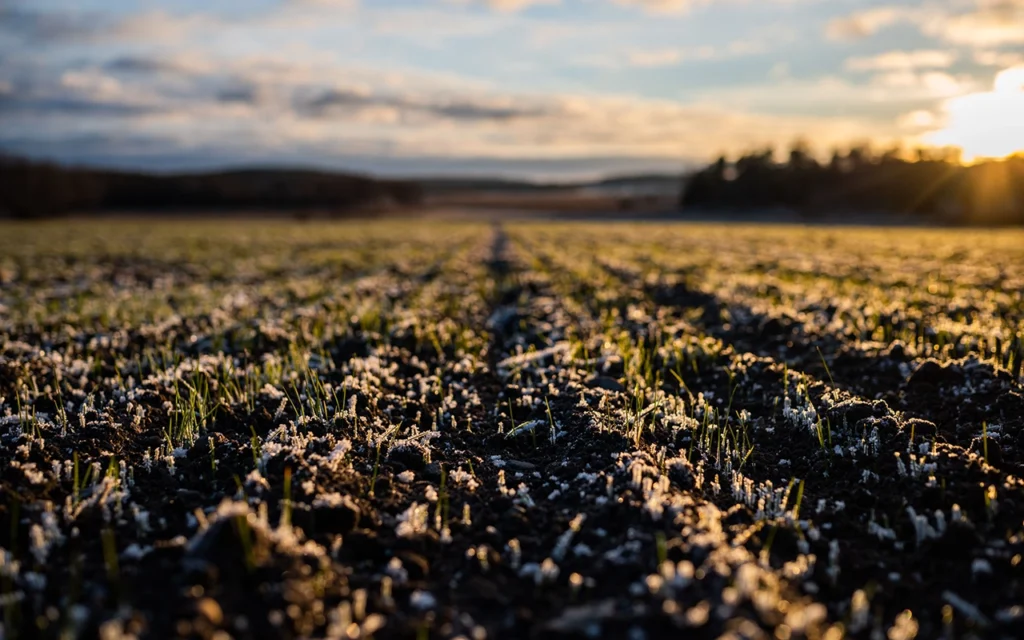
[
  {"x": 903, "y": 60},
  {"x": 656, "y": 6},
  {"x": 656, "y": 58},
  {"x": 244, "y": 94},
  {"x": 933, "y": 84},
  {"x": 342, "y": 102},
  {"x": 883, "y": 95},
  {"x": 268, "y": 84},
  {"x": 33, "y": 26},
  {"x": 77, "y": 94},
  {"x": 170, "y": 64},
  {"x": 664, "y": 6},
  {"x": 505, "y": 5},
  {"x": 986, "y": 23},
  {"x": 865, "y": 23},
  {"x": 160, "y": 25},
  {"x": 328, "y": 4},
  {"x": 163, "y": 153},
  {"x": 273, "y": 106},
  {"x": 986, "y": 123},
  {"x": 155, "y": 25},
  {"x": 672, "y": 56},
  {"x": 1001, "y": 59},
  {"x": 917, "y": 121},
  {"x": 992, "y": 23}
]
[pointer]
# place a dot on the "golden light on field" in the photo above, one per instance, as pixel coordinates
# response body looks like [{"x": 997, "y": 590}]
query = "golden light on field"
[{"x": 988, "y": 124}]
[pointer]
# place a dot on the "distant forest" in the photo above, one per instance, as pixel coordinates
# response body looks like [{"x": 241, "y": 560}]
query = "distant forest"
[
  {"x": 30, "y": 189},
  {"x": 931, "y": 183}
]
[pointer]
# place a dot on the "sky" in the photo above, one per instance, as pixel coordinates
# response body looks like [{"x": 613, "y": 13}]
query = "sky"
[{"x": 540, "y": 89}]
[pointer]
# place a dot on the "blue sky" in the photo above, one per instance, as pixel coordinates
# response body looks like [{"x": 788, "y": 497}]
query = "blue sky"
[{"x": 534, "y": 88}]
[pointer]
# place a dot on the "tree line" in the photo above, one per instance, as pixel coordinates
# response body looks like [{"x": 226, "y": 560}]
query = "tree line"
[
  {"x": 927, "y": 182},
  {"x": 32, "y": 189}
]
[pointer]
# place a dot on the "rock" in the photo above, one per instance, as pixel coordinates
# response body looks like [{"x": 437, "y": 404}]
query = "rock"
[
  {"x": 487, "y": 591},
  {"x": 302, "y": 516},
  {"x": 851, "y": 411},
  {"x": 409, "y": 455},
  {"x": 919, "y": 427},
  {"x": 934, "y": 373},
  {"x": 772, "y": 327},
  {"x": 519, "y": 465},
  {"x": 189, "y": 496},
  {"x": 221, "y": 546},
  {"x": 339, "y": 517},
  {"x": 605, "y": 382},
  {"x": 515, "y": 521},
  {"x": 897, "y": 350},
  {"x": 364, "y": 545},
  {"x": 382, "y": 487},
  {"x": 680, "y": 473},
  {"x": 582, "y": 620},
  {"x": 432, "y": 472}
]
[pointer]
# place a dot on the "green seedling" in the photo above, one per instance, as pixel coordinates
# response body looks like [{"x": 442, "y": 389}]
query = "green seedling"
[
  {"x": 110, "y": 559},
  {"x": 286, "y": 513}
]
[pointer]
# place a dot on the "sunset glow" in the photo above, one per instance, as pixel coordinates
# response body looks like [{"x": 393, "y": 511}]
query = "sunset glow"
[
  {"x": 540, "y": 88},
  {"x": 988, "y": 124}
]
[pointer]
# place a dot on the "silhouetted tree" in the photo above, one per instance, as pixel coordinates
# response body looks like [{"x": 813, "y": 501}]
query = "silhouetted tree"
[{"x": 936, "y": 184}]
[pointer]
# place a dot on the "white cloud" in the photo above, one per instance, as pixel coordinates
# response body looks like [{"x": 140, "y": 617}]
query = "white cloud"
[
  {"x": 289, "y": 104},
  {"x": 917, "y": 121},
  {"x": 903, "y": 60},
  {"x": 882, "y": 95},
  {"x": 986, "y": 123},
  {"x": 298, "y": 91},
  {"x": 929, "y": 84},
  {"x": 1001, "y": 59}
]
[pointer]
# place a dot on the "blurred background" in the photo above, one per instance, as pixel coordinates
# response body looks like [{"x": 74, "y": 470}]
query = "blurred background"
[{"x": 586, "y": 106}]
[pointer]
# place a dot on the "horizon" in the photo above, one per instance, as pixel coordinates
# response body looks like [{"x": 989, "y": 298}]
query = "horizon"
[{"x": 537, "y": 90}]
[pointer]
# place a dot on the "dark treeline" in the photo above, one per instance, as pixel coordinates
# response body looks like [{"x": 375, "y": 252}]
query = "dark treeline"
[
  {"x": 31, "y": 189},
  {"x": 932, "y": 183}
]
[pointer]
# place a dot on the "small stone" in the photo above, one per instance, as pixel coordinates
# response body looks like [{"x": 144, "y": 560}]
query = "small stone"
[
  {"x": 934, "y": 373},
  {"x": 605, "y": 382},
  {"x": 519, "y": 465},
  {"x": 919, "y": 427}
]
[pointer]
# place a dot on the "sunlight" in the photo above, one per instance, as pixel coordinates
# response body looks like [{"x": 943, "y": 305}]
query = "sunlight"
[{"x": 988, "y": 124}]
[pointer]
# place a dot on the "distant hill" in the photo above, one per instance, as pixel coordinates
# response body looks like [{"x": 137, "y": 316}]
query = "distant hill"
[
  {"x": 648, "y": 182},
  {"x": 619, "y": 194},
  {"x": 30, "y": 189}
]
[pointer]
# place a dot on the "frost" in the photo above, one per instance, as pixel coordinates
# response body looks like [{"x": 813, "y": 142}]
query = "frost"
[
  {"x": 422, "y": 600},
  {"x": 413, "y": 521}
]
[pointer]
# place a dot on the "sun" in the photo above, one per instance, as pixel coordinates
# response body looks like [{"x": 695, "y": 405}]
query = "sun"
[{"x": 988, "y": 124}]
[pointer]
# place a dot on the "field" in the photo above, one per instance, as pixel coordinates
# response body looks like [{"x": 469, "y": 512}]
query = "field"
[{"x": 403, "y": 429}]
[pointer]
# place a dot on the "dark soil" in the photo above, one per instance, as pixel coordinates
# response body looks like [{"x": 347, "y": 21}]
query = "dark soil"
[{"x": 488, "y": 433}]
